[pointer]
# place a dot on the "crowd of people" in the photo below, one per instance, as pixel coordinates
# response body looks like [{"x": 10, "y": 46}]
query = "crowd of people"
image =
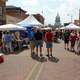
[
  {"x": 37, "y": 39},
  {"x": 70, "y": 37},
  {"x": 9, "y": 41}
]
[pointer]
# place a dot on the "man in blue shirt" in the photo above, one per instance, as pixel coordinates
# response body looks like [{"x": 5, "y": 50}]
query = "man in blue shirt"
[
  {"x": 32, "y": 40},
  {"x": 7, "y": 39}
]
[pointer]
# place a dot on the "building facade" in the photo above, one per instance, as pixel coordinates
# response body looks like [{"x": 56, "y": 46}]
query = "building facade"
[
  {"x": 39, "y": 17},
  {"x": 19, "y": 13},
  {"x": 12, "y": 20},
  {"x": 77, "y": 22},
  {"x": 2, "y": 12},
  {"x": 15, "y": 12}
]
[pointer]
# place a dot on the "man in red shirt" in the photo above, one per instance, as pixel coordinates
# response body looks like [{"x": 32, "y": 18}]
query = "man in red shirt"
[{"x": 49, "y": 40}]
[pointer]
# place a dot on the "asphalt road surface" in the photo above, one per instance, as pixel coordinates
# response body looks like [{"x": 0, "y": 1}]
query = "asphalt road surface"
[{"x": 64, "y": 65}]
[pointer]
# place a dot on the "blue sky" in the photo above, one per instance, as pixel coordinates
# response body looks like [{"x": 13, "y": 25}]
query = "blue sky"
[{"x": 65, "y": 8}]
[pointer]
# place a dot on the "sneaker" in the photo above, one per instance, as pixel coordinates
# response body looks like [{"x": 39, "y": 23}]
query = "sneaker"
[
  {"x": 33, "y": 53},
  {"x": 73, "y": 50},
  {"x": 41, "y": 55},
  {"x": 51, "y": 55},
  {"x": 36, "y": 55},
  {"x": 47, "y": 55},
  {"x": 68, "y": 49}
]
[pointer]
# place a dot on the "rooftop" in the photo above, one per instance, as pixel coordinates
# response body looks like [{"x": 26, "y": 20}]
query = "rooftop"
[{"x": 14, "y": 7}]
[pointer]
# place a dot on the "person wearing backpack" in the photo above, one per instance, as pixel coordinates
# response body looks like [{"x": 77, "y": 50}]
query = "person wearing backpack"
[
  {"x": 49, "y": 42},
  {"x": 66, "y": 35}
]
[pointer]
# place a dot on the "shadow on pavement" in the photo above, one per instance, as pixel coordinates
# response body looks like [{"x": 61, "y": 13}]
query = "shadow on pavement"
[
  {"x": 16, "y": 51},
  {"x": 72, "y": 51},
  {"x": 42, "y": 59},
  {"x": 39, "y": 59},
  {"x": 53, "y": 59},
  {"x": 77, "y": 53}
]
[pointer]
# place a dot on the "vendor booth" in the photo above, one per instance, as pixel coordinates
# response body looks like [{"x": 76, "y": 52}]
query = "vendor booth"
[
  {"x": 30, "y": 21},
  {"x": 8, "y": 27},
  {"x": 72, "y": 27}
]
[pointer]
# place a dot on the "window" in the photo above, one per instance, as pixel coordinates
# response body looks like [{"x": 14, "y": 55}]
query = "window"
[
  {"x": 0, "y": 11},
  {"x": 18, "y": 12}
]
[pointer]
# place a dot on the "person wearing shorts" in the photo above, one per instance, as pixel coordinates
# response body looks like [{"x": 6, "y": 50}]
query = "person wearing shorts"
[
  {"x": 38, "y": 41},
  {"x": 66, "y": 39},
  {"x": 32, "y": 46},
  {"x": 49, "y": 44},
  {"x": 32, "y": 41}
]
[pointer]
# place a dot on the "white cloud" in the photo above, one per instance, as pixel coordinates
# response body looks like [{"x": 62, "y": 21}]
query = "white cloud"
[
  {"x": 66, "y": 8},
  {"x": 29, "y": 2}
]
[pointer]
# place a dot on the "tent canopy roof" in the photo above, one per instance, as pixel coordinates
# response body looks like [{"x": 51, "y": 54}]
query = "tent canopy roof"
[
  {"x": 72, "y": 26},
  {"x": 11, "y": 27},
  {"x": 30, "y": 21}
]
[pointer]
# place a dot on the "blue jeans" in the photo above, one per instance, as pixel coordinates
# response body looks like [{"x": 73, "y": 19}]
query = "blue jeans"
[{"x": 9, "y": 47}]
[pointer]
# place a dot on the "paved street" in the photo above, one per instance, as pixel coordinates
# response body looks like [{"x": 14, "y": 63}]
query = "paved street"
[{"x": 23, "y": 67}]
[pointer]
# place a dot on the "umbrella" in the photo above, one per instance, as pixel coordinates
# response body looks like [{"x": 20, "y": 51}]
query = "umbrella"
[{"x": 11, "y": 27}]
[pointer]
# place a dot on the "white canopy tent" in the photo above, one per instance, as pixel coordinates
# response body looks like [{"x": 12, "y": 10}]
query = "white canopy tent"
[
  {"x": 24, "y": 23},
  {"x": 62, "y": 28},
  {"x": 11, "y": 27},
  {"x": 72, "y": 26},
  {"x": 30, "y": 21},
  {"x": 47, "y": 28}
]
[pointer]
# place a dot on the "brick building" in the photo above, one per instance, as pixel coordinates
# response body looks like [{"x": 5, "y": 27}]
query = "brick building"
[
  {"x": 2, "y": 12},
  {"x": 21, "y": 14},
  {"x": 39, "y": 17},
  {"x": 15, "y": 12},
  {"x": 77, "y": 22}
]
